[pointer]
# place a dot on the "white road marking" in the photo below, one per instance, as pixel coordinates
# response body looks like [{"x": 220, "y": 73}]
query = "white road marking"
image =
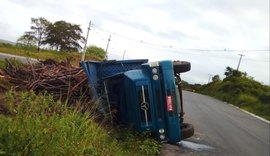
[{"x": 260, "y": 118}]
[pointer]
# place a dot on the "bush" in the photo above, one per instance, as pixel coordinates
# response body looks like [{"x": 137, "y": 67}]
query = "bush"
[
  {"x": 244, "y": 100},
  {"x": 96, "y": 51},
  {"x": 261, "y": 110}
]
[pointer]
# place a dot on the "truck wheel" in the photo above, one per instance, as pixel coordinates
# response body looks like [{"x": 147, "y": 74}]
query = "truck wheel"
[
  {"x": 181, "y": 66},
  {"x": 187, "y": 130}
]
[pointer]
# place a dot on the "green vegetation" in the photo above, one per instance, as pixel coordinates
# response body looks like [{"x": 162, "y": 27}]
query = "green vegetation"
[
  {"x": 239, "y": 89},
  {"x": 60, "y": 35},
  {"x": 37, "y": 125},
  {"x": 32, "y": 52},
  {"x": 96, "y": 51}
]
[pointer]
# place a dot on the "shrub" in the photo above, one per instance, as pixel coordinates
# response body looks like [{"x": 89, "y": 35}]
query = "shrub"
[
  {"x": 244, "y": 100},
  {"x": 96, "y": 51}
]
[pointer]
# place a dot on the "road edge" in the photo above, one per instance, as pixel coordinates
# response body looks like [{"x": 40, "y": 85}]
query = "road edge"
[
  {"x": 256, "y": 116},
  {"x": 27, "y": 60}
]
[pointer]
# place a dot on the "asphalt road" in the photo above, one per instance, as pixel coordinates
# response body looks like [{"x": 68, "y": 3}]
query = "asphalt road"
[
  {"x": 20, "y": 58},
  {"x": 225, "y": 128}
]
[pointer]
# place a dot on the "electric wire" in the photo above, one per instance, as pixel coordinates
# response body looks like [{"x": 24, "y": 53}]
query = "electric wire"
[{"x": 180, "y": 50}]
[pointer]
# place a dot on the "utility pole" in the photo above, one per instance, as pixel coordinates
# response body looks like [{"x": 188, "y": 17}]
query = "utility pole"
[
  {"x": 109, "y": 39},
  {"x": 239, "y": 61},
  {"x": 210, "y": 75},
  {"x": 124, "y": 55},
  {"x": 85, "y": 45}
]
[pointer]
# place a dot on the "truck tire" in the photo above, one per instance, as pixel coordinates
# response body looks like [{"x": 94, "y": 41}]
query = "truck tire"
[
  {"x": 181, "y": 66},
  {"x": 187, "y": 130}
]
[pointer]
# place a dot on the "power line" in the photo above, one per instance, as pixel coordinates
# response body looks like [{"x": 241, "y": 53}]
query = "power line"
[
  {"x": 186, "y": 49},
  {"x": 179, "y": 50},
  {"x": 132, "y": 39}
]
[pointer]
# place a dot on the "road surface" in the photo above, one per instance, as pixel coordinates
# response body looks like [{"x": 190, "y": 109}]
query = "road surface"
[
  {"x": 20, "y": 58},
  {"x": 225, "y": 128}
]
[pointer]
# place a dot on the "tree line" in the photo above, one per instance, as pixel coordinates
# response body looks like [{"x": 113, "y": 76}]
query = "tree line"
[{"x": 59, "y": 36}]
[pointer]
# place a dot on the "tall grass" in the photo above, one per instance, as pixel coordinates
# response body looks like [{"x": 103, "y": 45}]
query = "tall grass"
[
  {"x": 38, "y": 125},
  {"x": 45, "y": 54}
]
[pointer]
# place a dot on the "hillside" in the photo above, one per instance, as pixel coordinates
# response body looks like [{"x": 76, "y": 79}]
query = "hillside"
[
  {"x": 7, "y": 42},
  {"x": 240, "y": 90}
]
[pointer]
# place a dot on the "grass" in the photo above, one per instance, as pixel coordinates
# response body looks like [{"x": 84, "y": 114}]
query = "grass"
[
  {"x": 38, "y": 125},
  {"x": 44, "y": 54}
]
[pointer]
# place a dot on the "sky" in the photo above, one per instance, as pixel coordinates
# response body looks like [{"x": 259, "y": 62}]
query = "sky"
[{"x": 208, "y": 33}]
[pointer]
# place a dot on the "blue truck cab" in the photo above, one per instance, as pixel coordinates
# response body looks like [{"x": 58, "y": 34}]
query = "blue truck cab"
[{"x": 145, "y": 95}]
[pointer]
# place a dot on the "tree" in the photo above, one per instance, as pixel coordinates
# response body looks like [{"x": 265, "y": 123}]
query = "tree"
[
  {"x": 228, "y": 71},
  {"x": 27, "y": 39},
  {"x": 231, "y": 72},
  {"x": 39, "y": 30},
  {"x": 60, "y": 35},
  {"x": 64, "y": 36},
  {"x": 216, "y": 78},
  {"x": 38, "y": 33},
  {"x": 235, "y": 73},
  {"x": 96, "y": 51}
]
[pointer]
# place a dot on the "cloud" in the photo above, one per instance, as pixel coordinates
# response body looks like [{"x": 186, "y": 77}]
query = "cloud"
[{"x": 194, "y": 24}]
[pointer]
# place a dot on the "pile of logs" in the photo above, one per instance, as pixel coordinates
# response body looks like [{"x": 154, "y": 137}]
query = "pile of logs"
[{"x": 62, "y": 80}]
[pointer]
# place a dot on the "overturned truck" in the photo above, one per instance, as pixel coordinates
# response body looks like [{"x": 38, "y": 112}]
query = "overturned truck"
[{"x": 145, "y": 95}]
